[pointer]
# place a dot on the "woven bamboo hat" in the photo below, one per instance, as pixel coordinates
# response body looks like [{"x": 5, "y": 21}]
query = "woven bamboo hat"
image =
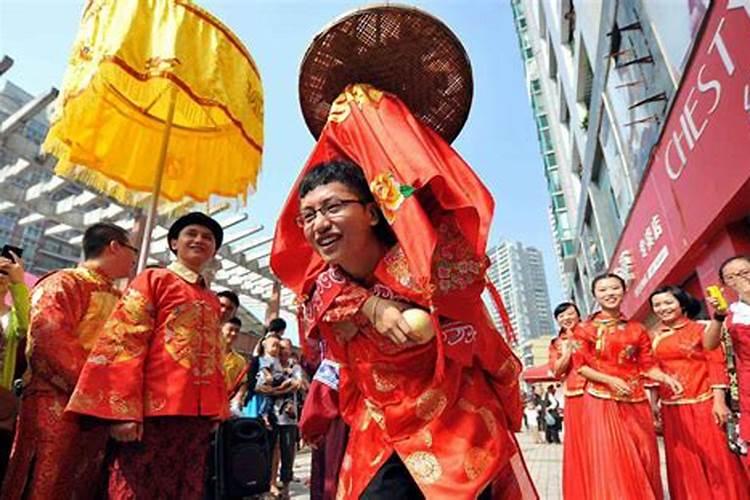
[{"x": 398, "y": 49}]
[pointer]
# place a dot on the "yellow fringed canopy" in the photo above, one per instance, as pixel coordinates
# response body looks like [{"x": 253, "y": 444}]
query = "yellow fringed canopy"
[{"x": 129, "y": 58}]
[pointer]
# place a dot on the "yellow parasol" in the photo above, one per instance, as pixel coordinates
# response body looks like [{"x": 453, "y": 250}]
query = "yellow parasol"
[{"x": 160, "y": 101}]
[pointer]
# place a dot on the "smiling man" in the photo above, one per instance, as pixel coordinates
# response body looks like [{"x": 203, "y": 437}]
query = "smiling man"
[
  {"x": 429, "y": 416},
  {"x": 156, "y": 372}
]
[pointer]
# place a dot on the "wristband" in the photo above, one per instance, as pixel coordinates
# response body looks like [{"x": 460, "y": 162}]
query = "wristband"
[{"x": 719, "y": 317}]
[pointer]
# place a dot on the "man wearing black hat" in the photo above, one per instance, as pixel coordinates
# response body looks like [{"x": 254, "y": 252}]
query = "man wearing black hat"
[{"x": 156, "y": 372}]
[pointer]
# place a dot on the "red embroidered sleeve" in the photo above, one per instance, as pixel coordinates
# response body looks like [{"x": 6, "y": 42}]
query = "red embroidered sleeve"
[
  {"x": 585, "y": 354},
  {"x": 56, "y": 311},
  {"x": 347, "y": 304},
  {"x": 645, "y": 355}
]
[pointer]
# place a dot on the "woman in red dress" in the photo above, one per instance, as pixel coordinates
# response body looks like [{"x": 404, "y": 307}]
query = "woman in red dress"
[
  {"x": 621, "y": 457},
  {"x": 561, "y": 350},
  {"x": 699, "y": 462},
  {"x": 735, "y": 274}
]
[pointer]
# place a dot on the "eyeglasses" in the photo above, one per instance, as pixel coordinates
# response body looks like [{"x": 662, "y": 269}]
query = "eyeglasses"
[
  {"x": 129, "y": 247},
  {"x": 333, "y": 208},
  {"x": 745, "y": 273}
]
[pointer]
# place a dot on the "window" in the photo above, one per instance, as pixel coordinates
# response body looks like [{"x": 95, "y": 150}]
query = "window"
[{"x": 585, "y": 80}]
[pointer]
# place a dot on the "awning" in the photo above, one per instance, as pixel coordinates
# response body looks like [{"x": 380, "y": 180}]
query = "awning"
[{"x": 540, "y": 373}]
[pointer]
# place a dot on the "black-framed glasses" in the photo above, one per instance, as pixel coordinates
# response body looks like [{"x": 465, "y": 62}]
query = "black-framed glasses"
[
  {"x": 745, "y": 273},
  {"x": 129, "y": 246},
  {"x": 332, "y": 208}
]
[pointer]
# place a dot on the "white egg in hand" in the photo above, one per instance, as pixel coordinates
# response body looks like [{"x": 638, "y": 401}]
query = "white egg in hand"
[{"x": 420, "y": 323}]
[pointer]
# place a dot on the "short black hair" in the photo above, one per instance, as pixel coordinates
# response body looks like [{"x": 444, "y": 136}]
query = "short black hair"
[
  {"x": 276, "y": 325},
  {"x": 724, "y": 264},
  {"x": 231, "y": 296},
  {"x": 352, "y": 176},
  {"x": 235, "y": 321},
  {"x": 564, "y": 306},
  {"x": 98, "y": 236},
  {"x": 604, "y": 276},
  {"x": 690, "y": 306}
]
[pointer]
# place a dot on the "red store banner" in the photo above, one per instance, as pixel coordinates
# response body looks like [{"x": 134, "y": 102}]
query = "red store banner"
[{"x": 700, "y": 168}]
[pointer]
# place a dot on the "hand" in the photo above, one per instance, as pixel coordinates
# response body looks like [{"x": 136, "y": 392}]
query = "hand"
[
  {"x": 567, "y": 347},
  {"x": 619, "y": 386},
  {"x": 720, "y": 412},
  {"x": 13, "y": 268},
  {"x": 674, "y": 385},
  {"x": 386, "y": 317},
  {"x": 126, "y": 432},
  {"x": 714, "y": 303}
]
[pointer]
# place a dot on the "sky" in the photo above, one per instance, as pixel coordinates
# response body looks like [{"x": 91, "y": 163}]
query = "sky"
[{"x": 498, "y": 141}]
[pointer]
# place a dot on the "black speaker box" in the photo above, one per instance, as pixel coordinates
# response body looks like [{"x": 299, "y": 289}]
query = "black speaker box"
[{"x": 242, "y": 458}]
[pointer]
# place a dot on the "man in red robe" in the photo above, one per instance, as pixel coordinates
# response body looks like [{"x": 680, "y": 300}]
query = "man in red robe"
[
  {"x": 56, "y": 455},
  {"x": 385, "y": 217},
  {"x": 156, "y": 372}
]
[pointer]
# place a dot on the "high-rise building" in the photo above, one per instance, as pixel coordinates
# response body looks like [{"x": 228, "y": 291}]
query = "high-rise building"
[
  {"x": 518, "y": 274},
  {"x": 641, "y": 128},
  {"x": 18, "y": 226},
  {"x": 600, "y": 76}
]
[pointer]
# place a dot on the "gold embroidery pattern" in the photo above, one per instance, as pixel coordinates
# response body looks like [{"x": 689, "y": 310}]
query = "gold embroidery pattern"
[
  {"x": 123, "y": 341},
  {"x": 397, "y": 266},
  {"x": 100, "y": 306},
  {"x": 121, "y": 406},
  {"x": 84, "y": 401},
  {"x": 484, "y": 413},
  {"x": 427, "y": 436},
  {"x": 152, "y": 403},
  {"x": 383, "y": 382},
  {"x": 374, "y": 414},
  {"x": 424, "y": 467},
  {"x": 353, "y": 95},
  {"x": 135, "y": 307},
  {"x": 56, "y": 409},
  {"x": 456, "y": 267},
  {"x": 430, "y": 404},
  {"x": 375, "y": 461},
  {"x": 190, "y": 334},
  {"x": 476, "y": 462}
]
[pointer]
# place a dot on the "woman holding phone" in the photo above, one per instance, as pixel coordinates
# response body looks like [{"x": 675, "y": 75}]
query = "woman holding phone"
[{"x": 699, "y": 462}]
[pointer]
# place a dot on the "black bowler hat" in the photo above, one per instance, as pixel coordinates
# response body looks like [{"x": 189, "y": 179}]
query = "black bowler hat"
[{"x": 198, "y": 219}]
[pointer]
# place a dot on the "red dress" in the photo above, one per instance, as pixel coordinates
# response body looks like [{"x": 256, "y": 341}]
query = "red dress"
[
  {"x": 55, "y": 453},
  {"x": 622, "y": 459},
  {"x": 699, "y": 462},
  {"x": 574, "y": 478},
  {"x": 159, "y": 360}
]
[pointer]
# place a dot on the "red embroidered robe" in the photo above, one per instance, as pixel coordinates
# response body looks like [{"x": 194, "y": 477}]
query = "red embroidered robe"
[
  {"x": 53, "y": 455},
  {"x": 160, "y": 354},
  {"x": 455, "y": 433}
]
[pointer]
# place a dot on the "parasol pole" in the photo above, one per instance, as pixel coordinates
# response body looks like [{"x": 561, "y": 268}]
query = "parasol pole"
[{"x": 151, "y": 216}]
